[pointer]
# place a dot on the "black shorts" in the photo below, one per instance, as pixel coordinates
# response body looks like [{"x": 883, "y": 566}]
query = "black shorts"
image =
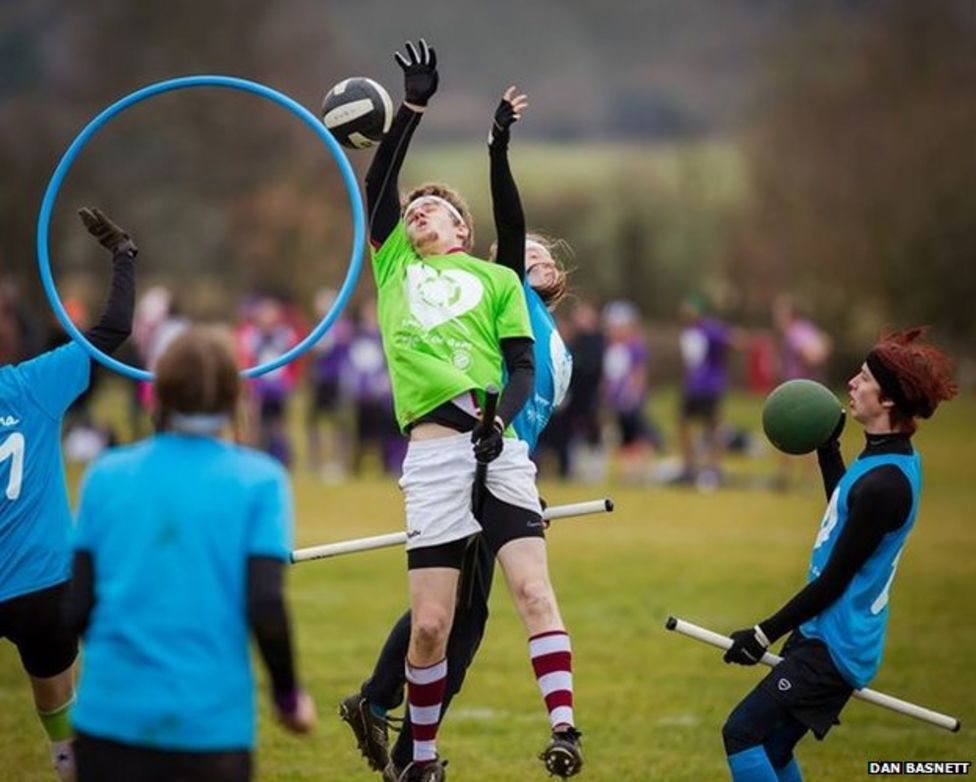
[
  {"x": 271, "y": 409},
  {"x": 375, "y": 421},
  {"x": 35, "y": 624},
  {"x": 500, "y": 522},
  {"x": 99, "y": 760},
  {"x": 703, "y": 406},
  {"x": 808, "y": 684},
  {"x": 325, "y": 396},
  {"x": 633, "y": 427}
]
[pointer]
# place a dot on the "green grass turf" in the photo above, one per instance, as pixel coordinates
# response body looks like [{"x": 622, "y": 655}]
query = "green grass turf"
[{"x": 651, "y": 704}]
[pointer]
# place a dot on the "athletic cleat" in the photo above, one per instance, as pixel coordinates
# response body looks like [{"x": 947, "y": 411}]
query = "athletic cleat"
[
  {"x": 564, "y": 755},
  {"x": 392, "y": 772},
  {"x": 63, "y": 758},
  {"x": 371, "y": 731},
  {"x": 428, "y": 772}
]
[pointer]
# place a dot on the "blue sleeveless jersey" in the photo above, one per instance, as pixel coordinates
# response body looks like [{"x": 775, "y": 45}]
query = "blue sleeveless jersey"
[
  {"x": 853, "y": 628},
  {"x": 35, "y": 521},
  {"x": 553, "y": 369}
]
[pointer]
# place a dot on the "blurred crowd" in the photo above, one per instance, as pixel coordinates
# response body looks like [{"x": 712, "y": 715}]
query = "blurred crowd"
[{"x": 339, "y": 391}]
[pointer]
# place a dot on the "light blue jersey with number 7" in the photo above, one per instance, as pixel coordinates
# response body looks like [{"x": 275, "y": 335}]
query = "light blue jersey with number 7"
[
  {"x": 853, "y": 627},
  {"x": 35, "y": 521}
]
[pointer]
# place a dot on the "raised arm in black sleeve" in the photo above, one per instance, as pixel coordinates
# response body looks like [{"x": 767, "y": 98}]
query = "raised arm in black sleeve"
[
  {"x": 831, "y": 460},
  {"x": 115, "y": 324},
  {"x": 520, "y": 362},
  {"x": 832, "y": 468},
  {"x": 879, "y": 502},
  {"x": 505, "y": 201},
  {"x": 420, "y": 80},
  {"x": 268, "y": 619},
  {"x": 382, "y": 178}
]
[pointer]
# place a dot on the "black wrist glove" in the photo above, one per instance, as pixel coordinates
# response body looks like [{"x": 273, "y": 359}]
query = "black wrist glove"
[
  {"x": 834, "y": 440},
  {"x": 488, "y": 440},
  {"x": 509, "y": 112},
  {"x": 748, "y": 646},
  {"x": 419, "y": 73},
  {"x": 109, "y": 235},
  {"x": 504, "y": 119}
]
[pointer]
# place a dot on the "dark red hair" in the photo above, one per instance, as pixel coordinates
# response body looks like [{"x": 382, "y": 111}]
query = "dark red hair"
[{"x": 915, "y": 375}]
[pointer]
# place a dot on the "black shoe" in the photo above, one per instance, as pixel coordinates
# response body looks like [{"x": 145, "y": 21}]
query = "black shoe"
[
  {"x": 371, "y": 731},
  {"x": 428, "y": 772},
  {"x": 564, "y": 755}
]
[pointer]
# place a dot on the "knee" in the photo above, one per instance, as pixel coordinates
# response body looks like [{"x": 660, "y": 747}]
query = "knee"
[
  {"x": 535, "y": 598},
  {"x": 429, "y": 628},
  {"x": 738, "y": 735}
]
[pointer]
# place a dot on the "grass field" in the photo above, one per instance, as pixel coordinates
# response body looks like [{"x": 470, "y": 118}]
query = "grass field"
[{"x": 651, "y": 704}]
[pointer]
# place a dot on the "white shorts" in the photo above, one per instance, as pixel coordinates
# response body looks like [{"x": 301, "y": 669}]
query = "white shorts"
[{"x": 437, "y": 478}]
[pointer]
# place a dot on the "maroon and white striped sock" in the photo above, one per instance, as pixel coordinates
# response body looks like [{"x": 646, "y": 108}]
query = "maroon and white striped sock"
[
  {"x": 552, "y": 661},
  {"x": 425, "y": 694}
]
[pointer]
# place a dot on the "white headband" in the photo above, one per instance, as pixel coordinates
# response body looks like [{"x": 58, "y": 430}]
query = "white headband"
[
  {"x": 198, "y": 423},
  {"x": 538, "y": 245},
  {"x": 437, "y": 200}
]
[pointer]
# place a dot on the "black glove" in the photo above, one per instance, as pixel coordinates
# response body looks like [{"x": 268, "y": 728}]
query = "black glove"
[
  {"x": 488, "y": 441},
  {"x": 748, "y": 646},
  {"x": 507, "y": 114},
  {"x": 834, "y": 440},
  {"x": 419, "y": 73},
  {"x": 109, "y": 235}
]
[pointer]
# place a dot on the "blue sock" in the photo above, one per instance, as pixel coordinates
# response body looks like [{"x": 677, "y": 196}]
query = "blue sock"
[
  {"x": 751, "y": 765},
  {"x": 790, "y": 772},
  {"x": 379, "y": 711}
]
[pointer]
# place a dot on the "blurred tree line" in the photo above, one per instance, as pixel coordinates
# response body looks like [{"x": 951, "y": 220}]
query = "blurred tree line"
[
  {"x": 863, "y": 171},
  {"x": 738, "y": 149}
]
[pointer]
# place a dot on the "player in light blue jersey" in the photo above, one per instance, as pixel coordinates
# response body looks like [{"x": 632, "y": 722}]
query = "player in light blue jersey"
[
  {"x": 531, "y": 256},
  {"x": 180, "y": 549},
  {"x": 35, "y": 521},
  {"x": 544, "y": 280},
  {"x": 838, "y": 619}
]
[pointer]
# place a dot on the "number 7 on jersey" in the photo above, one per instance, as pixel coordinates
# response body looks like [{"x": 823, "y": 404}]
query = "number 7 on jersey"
[{"x": 13, "y": 447}]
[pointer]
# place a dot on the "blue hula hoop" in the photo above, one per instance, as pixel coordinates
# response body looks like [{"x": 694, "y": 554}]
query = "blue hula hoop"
[{"x": 348, "y": 177}]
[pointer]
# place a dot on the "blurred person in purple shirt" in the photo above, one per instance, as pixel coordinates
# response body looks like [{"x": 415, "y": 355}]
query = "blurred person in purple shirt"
[
  {"x": 328, "y": 455},
  {"x": 625, "y": 385},
  {"x": 366, "y": 380},
  {"x": 705, "y": 344},
  {"x": 264, "y": 336}
]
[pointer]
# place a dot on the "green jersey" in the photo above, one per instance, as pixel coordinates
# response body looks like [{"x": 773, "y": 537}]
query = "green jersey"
[{"x": 443, "y": 318}]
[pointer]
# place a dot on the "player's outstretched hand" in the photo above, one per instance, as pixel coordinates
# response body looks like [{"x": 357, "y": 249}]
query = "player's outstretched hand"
[
  {"x": 509, "y": 111},
  {"x": 109, "y": 235},
  {"x": 488, "y": 440},
  {"x": 420, "y": 77},
  {"x": 295, "y": 711},
  {"x": 748, "y": 646}
]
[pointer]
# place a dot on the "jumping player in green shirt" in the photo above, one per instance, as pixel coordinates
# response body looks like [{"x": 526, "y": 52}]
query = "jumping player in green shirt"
[{"x": 452, "y": 325}]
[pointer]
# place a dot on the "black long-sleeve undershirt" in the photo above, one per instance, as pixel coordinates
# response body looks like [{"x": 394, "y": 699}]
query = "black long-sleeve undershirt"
[
  {"x": 115, "y": 324},
  {"x": 382, "y": 178},
  {"x": 520, "y": 363},
  {"x": 832, "y": 468},
  {"x": 266, "y": 612},
  {"x": 878, "y": 503},
  {"x": 506, "y": 207},
  {"x": 268, "y": 618}
]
